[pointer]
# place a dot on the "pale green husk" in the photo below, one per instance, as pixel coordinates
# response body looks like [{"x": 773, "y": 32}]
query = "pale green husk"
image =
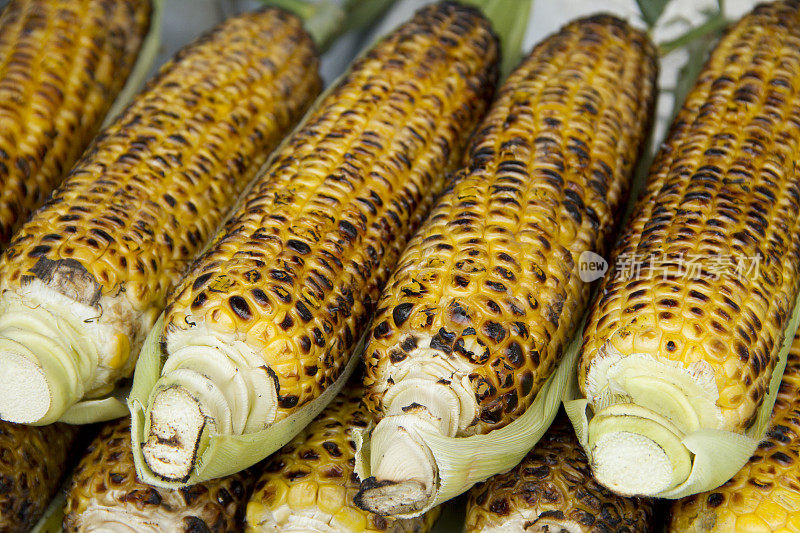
[
  {"x": 224, "y": 454},
  {"x": 464, "y": 461},
  {"x": 717, "y": 454}
]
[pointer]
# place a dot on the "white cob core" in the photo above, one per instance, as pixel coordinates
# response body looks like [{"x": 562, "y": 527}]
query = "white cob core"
[
  {"x": 631, "y": 464},
  {"x": 25, "y": 398}
]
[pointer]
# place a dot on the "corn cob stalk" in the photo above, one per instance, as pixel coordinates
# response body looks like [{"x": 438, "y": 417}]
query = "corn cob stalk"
[
  {"x": 62, "y": 63},
  {"x": 681, "y": 343},
  {"x": 487, "y": 295},
  {"x": 32, "y": 462},
  {"x": 105, "y": 495},
  {"x": 309, "y": 484},
  {"x": 764, "y": 495},
  {"x": 262, "y": 329},
  {"x": 552, "y": 489}
]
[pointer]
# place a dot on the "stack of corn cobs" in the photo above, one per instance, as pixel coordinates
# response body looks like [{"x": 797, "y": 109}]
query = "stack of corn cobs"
[{"x": 204, "y": 276}]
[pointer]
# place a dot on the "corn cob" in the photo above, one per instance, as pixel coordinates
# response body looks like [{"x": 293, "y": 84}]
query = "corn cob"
[
  {"x": 689, "y": 322},
  {"x": 486, "y": 296},
  {"x": 764, "y": 495},
  {"x": 104, "y": 494},
  {"x": 32, "y": 463},
  {"x": 309, "y": 484},
  {"x": 552, "y": 489},
  {"x": 92, "y": 268},
  {"x": 62, "y": 63},
  {"x": 269, "y": 316}
]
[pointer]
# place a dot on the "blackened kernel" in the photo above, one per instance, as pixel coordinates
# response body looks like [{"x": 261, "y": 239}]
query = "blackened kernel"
[{"x": 401, "y": 313}]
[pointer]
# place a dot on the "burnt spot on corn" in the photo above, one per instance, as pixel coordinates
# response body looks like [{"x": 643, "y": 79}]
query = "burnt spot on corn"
[
  {"x": 554, "y": 483},
  {"x": 105, "y": 480}
]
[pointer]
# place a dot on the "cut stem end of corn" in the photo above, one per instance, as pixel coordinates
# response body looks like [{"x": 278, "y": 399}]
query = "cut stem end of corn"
[
  {"x": 178, "y": 425},
  {"x": 635, "y": 451},
  {"x": 405, "y": 475},
  {"x": 26, "y": 398}
]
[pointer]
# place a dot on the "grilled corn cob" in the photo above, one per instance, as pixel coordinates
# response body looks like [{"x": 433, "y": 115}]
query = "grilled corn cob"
[
  {"x": 268, "y": 318},
  {"x": 104, "y": 494},
  {"x": 86, "y": 277},
  {"x": 309, "y": 484},
  {"x": 32, "y": 462},
  {"x": 688, "y": 324},
  {"x": 62, "y": 63},
  {"x": 765, "y": 495},
  {"x": 552, "y": 489},
  {"x": 486, "y": 296}
]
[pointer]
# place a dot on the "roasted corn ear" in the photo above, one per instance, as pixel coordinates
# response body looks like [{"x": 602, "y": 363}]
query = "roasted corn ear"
[
  {"x": 104, "y": 495},
  {"x": 84, "y": 280},
  {"x": 266, "y": 322},
  {"x": 32, "y": 462},
  {"x": 488, "y": 294},
  {"x": 309, "y": 484},
  {"x": 689, "y": 321},
  {"x": 765, "y": 495},
  {"x": 62, "y": 64},
  {"x": 552, "y": 489}
]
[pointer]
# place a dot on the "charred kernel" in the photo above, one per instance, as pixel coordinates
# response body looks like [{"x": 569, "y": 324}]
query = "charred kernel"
[
  {"x": 260, "y": 297},
  {"x": 240, "y": 307},
  {"x": 319, "y": 339},
  {"x": 494, "y": 331},
  {"x": 288, "y": 401},
  {"x": 715, "y": 499},
  {"x": 287, "y": 322},
  {"x": 299, "y": 246},
  {"x": 381, "y": 330},
  {"x": 401, "y": 312},
  {"x": 303, "y": 312},
  {"x": 332, "y": 448}
]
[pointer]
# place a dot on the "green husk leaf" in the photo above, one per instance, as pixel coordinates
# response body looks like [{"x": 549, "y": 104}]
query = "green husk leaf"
[
  {"x": 99, "y": 410},
  {"x": 718, "y": 454},
  {"x": 509, "y": 20},
  {"x": 327, "y": 20},
  {"x": 144, "y": 63},
  {"x": 464, "y": 461},
  {"x": 225, "y": 454},
  {"x": 651, "y": 10}
]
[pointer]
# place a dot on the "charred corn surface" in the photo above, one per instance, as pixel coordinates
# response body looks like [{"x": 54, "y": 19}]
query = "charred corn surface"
[
  {"x": 689, "y": 322},
  {"x": 765, "y": 495},
  {"x": 105, "y": 495},
  {"x": 552, "y": 489},
  {"x": 309, "y": 484},
  {"x": 487, "y": 294},
  {"x": 32, "y": 462},
  {"x": 62, "y": 63},
  {"x": 269, "y": 317},
  {"x": 92, "y": 268}
]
